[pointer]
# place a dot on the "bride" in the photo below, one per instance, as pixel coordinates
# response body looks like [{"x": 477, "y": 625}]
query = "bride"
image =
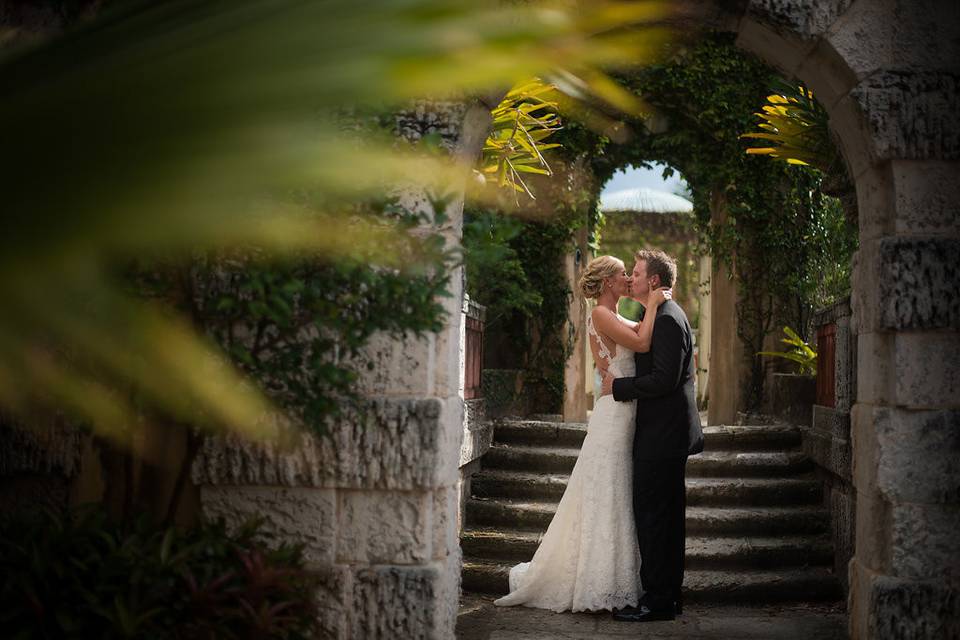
[{"x": 588, "y": 559}]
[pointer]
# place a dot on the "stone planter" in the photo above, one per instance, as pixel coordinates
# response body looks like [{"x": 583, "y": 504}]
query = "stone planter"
[
  {"x": 792, "y": 397},
  {"x": 501, "y": 390}
]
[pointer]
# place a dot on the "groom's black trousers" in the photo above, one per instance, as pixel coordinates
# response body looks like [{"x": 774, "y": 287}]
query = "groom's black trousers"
[{"x": 659, "y": 507}]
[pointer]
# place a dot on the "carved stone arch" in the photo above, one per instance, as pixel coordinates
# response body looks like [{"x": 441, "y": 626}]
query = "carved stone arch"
[{"x": 887, "y": 73}]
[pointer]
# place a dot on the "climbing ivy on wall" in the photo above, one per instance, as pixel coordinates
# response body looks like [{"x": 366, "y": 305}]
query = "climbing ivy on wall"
[
  {"x": 514, "y": 255},
  {"x": 788, "y": 242},
  {"x": 791, "y": 242}
]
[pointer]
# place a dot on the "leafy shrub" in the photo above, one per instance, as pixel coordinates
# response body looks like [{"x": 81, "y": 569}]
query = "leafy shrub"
[
  {"x": 84, "y": 576},
  {"x": 800, "y": 352}
]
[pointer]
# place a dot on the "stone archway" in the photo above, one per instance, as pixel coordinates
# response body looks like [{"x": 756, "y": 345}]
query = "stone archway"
[
  {"x": 888, "y": 86},
  {"x": 885, "y": 71}
]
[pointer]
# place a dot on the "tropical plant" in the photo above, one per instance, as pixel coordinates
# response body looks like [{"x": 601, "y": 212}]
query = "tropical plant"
[
  {"x": 800, "y": 352},
  {"x": 496, "y": 277},
  {"x": 797, "y": 128},
  {"x": 81, "y": 575},
  {"x": 195, "y": 127},
  {"x": 521, "y": 122}
]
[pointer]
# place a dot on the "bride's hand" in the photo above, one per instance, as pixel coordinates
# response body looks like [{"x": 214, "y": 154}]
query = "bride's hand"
[{"x": 656, "y": 297}]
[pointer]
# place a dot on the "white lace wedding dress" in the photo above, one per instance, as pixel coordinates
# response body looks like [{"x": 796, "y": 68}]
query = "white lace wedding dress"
[{"x": 588, "y": 559}]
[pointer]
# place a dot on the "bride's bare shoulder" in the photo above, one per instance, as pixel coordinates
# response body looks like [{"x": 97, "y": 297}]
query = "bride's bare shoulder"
[{"x": 602, "y": 317}]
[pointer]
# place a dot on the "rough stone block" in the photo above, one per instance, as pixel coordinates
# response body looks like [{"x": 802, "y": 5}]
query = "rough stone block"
[
  {"x": 333, "y": 598},
  {"x": 827, "y": 75},
  {"x": 827, "y": 443},
  {"x": 918, "y": 457},
  {"x": 875, "y": 371},
  {"x": 927, "y": 367},
  {"x": 390, "y": 366},
  {"x": 920, "y": 283},
  {"x": 872, "y": 530},
  {"x": 927, "y": 197},
  {"x": 477, "y": 438},
  {"x": 901, "y": 609},
  {"x": 397, "y": 602},
  {"x": 778, "y": 47},
  {"x": 831, "y": 422},
  {"x": 843, "y": 519},
  {"x": 50, "y": 448},
  {"x": 424, "y": 117},
  {"x": 451, "y": 442},
  {"x": 396, "y": 444},
  {"x": 302, "y": 515},
  {"x": 805, "y": 18},
  {"x": 875, "y": 202},
  {"x": 384, "y": 527},
  {"x": 924, "y": 541},
  {"x": 845, "y": 373},
  {"x": 448, "y": 380},
  {"x": 446, "y": 541},
  {"x": 910, "y": 115},
  {"x": 897, "y": 34}
]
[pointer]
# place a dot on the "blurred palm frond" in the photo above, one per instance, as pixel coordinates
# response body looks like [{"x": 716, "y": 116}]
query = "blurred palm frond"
[{"x": 183, "y": 125}]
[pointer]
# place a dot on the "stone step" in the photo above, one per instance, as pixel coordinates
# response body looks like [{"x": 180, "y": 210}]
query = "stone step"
[
  {"x": 804, "y": 584},
  {"x": 702, "y": 552},
  {"x": 542, "y": 459},
  {"x": 717, "y": 521},
  {"x": 719, "y": 438},
  {"x": 555, "y": 434},
  {"x": 776, "y": 437},
  {"x": 806, "y": 489}
]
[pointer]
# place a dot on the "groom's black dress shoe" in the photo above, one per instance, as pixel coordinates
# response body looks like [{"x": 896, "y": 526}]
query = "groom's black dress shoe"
[{"x": 643, "y": 613}]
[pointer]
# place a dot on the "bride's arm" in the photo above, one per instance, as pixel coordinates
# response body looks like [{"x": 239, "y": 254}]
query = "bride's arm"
[
  {"x": 644, "y": 329},
  {"x": 609, "y": 325},
  {"x": 638, "y": 340}
]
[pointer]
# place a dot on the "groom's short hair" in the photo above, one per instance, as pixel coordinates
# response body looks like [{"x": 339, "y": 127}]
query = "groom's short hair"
[{"x": 660, "y": 264}]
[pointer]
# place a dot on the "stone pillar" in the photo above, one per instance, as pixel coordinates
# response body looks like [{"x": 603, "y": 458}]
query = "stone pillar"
[
  {"x": 905, "y": 576},
  {"x": 376, "y": 501},
  {"x": 886, "y": 72},
  {"x": 704, "y": 331},
  {"x": 726, "y": 348},
  {"x": 577, "y": 375}
]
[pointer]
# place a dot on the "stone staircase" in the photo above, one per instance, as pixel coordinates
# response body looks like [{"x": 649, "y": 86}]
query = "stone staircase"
[{"x": 756, "y": 527}]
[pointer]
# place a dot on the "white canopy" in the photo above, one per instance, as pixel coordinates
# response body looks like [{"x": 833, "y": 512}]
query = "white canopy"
[{"x": 643, "y": 199}]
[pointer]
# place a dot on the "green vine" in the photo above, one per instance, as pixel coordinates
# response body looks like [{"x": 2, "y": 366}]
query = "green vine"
[{"x": 787, "y": 242}]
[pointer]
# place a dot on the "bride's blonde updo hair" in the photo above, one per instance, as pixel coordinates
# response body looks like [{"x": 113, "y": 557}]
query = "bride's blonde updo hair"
[{"x": 598, "y": 270}]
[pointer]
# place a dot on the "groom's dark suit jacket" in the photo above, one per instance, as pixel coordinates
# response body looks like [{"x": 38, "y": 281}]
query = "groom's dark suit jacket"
[{"x": 668, "y": 423}]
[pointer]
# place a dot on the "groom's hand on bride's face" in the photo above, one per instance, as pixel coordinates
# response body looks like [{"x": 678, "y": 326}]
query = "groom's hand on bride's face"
[{"x": 607, "y": 387}]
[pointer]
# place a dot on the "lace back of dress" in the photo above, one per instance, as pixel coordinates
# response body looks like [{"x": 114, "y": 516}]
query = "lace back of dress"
[{"x": 602, "y": 348}]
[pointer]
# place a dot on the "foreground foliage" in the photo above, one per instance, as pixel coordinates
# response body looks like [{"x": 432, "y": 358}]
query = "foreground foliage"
[
  {"x": 84, "y": 576},
  {"x": 199, "y": 127}
]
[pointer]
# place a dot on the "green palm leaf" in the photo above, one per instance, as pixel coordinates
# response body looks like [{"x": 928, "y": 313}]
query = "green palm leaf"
[{"x": 183, "y": 125}]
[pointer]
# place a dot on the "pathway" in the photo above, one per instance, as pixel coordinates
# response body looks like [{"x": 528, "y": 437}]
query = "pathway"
[{"x": 479, "y": 619}]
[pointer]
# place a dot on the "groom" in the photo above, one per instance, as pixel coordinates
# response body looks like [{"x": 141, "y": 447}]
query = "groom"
[{"x": 667, "y": 431}]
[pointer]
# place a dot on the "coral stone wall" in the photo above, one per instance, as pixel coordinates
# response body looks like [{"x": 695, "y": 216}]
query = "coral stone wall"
[
  {"x": 375, "y": 503},
  {"x": 886, "y": 70}
]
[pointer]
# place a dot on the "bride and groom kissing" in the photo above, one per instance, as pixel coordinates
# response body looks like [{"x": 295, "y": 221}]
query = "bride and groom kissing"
[{"x": 617, "y": 539}]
